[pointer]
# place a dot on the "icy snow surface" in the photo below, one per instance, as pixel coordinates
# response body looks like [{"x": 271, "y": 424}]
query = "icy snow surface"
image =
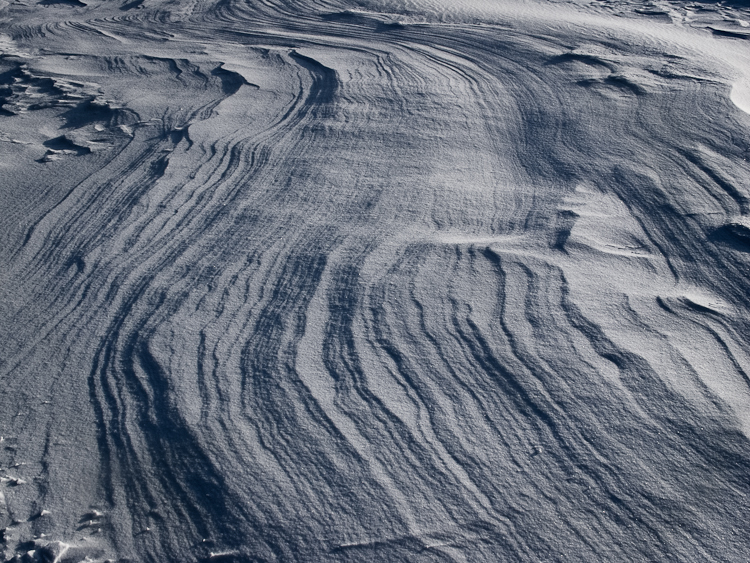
[{"x": 374, "y": 280}]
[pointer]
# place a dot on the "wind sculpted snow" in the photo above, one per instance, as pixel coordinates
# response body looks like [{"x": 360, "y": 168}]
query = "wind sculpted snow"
[{"x": 388, "y": 280}]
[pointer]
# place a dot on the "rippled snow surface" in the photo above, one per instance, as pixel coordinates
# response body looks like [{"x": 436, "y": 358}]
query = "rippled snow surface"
[{"x": 376, "y": 280}]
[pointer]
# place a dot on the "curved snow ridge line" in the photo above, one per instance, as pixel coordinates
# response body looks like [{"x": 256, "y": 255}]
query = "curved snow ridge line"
[
  {"x": 151, "y": 374},
  {"x": 458, "y": 291}
]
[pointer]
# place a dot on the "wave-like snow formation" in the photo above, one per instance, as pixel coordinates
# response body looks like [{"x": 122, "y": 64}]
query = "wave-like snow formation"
[{"x": 375, "y": 280}]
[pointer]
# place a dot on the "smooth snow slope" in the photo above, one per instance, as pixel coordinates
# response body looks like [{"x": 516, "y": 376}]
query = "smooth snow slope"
[{"x": 387, "y": 280}]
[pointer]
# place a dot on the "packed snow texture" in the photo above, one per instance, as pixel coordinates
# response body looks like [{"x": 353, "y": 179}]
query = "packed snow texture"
[{"x": 374, "y": 280}]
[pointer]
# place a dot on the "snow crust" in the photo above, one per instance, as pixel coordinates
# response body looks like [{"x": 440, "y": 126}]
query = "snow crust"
[{"x": 374, "y": 280}]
